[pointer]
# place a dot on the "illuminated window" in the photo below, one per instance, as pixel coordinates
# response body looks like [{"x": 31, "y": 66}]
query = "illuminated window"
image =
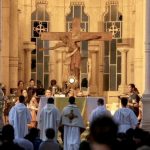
[
  {"x": 40, "y": 59},
  {"x": 112, "y": 57}
]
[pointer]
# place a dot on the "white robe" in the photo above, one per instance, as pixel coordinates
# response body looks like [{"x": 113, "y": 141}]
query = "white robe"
[
  {"x": 98, "y": 112},
  {"x": 19, "y": 117},
  {"x": 71, "y": 138},
  {"x": 42, "y": 103},
  {"x": 49, "y": 118},
  {"x": 126, "y": 119},
  {"x": 72, "y": 129}
]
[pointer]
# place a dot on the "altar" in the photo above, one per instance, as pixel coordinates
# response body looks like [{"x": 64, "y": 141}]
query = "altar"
[{"x": 85, "y": 104}]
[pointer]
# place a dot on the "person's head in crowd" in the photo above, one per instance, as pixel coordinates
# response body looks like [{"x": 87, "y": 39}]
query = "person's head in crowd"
[
  {"x": 124, "y": 101},
  {"x": 21, "y": 99},
  {"x": 100, "y": 102},
  {"x": 53, "y": 82},
  {"x": 48, "y": 93},
  {"x": 50, "y": 133},
  {"x": 24, "y": 93},
  {"x": 33, "y": 99},
  {"x": 103, "y": 133},
  {"x": 132, "y": 88},
  {"x": 32, "y": 83},
  {"x": 34, "y": 92},
  {"x": 72, "y": 100},
  {"x": 33, "y": 134},
  {"x": 50, "y": 100},
  {"x": 8, "y": 133},
  {"x": 39, "y": 84},
  {"x": 130, "y": 133},
  {"x": 20, "y": 84}
]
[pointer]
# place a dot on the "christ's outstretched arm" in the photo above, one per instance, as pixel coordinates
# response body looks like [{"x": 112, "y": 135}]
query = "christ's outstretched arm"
[
  {"x": 88, "y": 38},
  {"x": 58, "y": 45}
]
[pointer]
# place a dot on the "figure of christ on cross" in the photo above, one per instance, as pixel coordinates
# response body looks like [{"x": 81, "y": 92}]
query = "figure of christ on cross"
[{"x": 72, "y": 40}]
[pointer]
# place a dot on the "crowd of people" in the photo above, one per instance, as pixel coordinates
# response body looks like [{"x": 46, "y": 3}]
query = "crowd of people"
[{"x": 34, "y": 124}]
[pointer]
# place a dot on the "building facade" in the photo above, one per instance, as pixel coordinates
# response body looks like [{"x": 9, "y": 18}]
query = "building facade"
[{"x": 108, "y": 65}]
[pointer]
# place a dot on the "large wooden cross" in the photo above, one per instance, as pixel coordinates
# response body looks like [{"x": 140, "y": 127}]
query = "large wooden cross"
[
  {"x": 75, "y": 35},
  {"x": 70, "y": 40}
]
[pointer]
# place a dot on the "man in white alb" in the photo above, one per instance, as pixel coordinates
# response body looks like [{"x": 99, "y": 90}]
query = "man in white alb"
[
  {"x": 19, "y": 117},
  {"x": 49, "y": 118},
  {"x": 43, "y": 102},
  {"x": 99, "y": 111},
  {"x": 72, "y": 123},
  {"x": 125, "y": 117}
]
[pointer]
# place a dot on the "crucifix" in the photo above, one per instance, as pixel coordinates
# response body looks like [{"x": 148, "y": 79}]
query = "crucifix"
[
  {"x": 72, "y": 40},
  {"x": 71, "y": 116},
  {"x": 40, "y": 28}
]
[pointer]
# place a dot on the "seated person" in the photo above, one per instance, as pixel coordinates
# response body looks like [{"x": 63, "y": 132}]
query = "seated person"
[{"x": 54, "y": 87}]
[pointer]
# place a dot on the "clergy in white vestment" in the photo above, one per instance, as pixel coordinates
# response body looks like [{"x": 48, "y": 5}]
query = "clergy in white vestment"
[
  {"x": 19, "y": 117},
  {"x": 43, "y": 102},
  {"x": 99, "y": 111},
  {"x": 72, "y": 123},
  {"x": 125, "y": 117},
  {"x": 49, "y": 118}
]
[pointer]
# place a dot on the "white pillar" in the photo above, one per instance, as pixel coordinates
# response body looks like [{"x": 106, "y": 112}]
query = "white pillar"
[
  {"x": 138, "y": 46},
  {"x": 123, "y": 48},
  {"x": 93, "y": 50},
  {"x": 146, "y": 95},
  {"x": 27, "y": 20},
  {"x": 0, "y": 38},
  {"x": 4, "y": 59}
]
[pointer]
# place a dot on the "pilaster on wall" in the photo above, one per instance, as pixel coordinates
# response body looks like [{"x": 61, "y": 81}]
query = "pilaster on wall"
[
  {"x": 123, "y": 48},
  {"x": 0, "y": 36},
  {"x": 13, "y": 58},
  {"x": 138, "y": 51},
  {"x": 4, "y": 58}
]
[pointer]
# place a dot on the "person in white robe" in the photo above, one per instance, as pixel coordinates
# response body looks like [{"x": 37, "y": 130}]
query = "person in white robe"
[
  {"x": 19, "y": 117},
  {"x": 72, "y": 124},
  {"x": 125, "y": 117},
  {"x": 43, "y": 102},
  {"x": 99, "y": 111},
  {"x": 49, "y": 118}
]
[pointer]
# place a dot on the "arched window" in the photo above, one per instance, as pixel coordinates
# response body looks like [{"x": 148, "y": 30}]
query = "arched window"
[
  {"x": 112, "y": 57},
  {"x": 40, "y": 59}
]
